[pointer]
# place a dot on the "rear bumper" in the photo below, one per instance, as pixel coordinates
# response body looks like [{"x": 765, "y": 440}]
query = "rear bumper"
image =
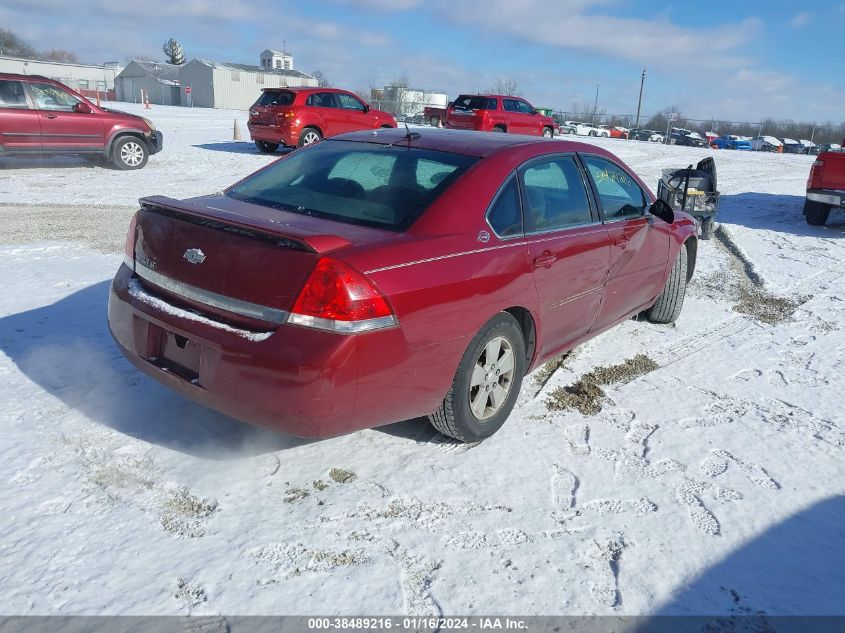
[
  {"x": 832, "y": 197},
  {"x": 296, "y": 380},
  {"x": 273, "y": 134}
]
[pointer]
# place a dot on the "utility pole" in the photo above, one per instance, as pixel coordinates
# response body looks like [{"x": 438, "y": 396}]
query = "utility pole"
[
  {"x": 595, "y": 105},
  {"x": 640, "y": 102}
]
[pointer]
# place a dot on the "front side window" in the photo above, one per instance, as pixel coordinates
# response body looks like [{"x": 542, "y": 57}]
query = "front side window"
[
  {"x": 620, "y": 195},
  {"x": 505, "y": 214},
  {"x": 349, "y": 102},
  {"x": 555, "y": 195},
  {"x": 50, "y": 97},
  {"x": 524, "y": 108},
  {"x": 12, "y": 94},
  {"x": 358, "y": 183},
  {"x": 510, "y": 105}
]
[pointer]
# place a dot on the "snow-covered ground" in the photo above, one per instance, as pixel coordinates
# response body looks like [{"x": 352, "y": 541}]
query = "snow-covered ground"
[{"x": 712, "y": 484}]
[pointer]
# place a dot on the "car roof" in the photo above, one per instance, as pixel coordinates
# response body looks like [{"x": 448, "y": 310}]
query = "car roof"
[
  {"x": 26, "y": 77},
  {"x": 467, "y": 142},
  {"x": 304, "y": 89}
]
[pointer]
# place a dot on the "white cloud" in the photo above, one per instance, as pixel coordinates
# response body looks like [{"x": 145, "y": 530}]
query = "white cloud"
[
  {"x": 570, "y": 25},
  {"x": 800, "y": 19}
]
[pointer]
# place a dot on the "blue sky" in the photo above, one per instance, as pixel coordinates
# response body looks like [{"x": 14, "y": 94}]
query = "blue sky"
[{"x": 723, "y": 59}]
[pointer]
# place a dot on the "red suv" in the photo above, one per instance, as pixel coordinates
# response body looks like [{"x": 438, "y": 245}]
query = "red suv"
[
  {"x": 295, "y": 117},
  {"x": 42, "y": 116},
  {"x": 498, "y": 113}
]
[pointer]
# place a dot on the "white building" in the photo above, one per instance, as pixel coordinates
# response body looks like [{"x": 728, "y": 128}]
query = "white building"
[
  {"x": 278, "y": 60},
  {"x": 158, "y": 80},
  {"x": 237, "y": 86},
  {"x": 86, "y": 79}
]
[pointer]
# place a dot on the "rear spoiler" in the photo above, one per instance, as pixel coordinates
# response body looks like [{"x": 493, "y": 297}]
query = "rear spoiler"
[{"x": 290, "y": 236}]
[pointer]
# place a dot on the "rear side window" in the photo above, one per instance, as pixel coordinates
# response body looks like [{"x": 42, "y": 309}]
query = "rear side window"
[
  {"x": 276, "y": 98},
  {"x": 474, "y": 102},
  {"x": 620, "y": 195},
  {"x": 358, "y": 183},
  {"x": 555, "y": 195},
  {"x": 12, "y": 95},
  {"x": 321, "y": 100},
  {"x": 505, "y": 214}
]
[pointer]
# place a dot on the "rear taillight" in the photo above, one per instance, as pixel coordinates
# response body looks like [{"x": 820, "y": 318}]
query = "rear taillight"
[
  {"x": 815, "y": 172},
  {"x": 338, "y": 298},
  {"x": 129, "y": 244}
]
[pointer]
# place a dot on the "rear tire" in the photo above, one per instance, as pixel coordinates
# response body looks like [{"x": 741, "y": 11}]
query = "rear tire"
[
  {"x": 484, "y": 390},
  {"x": 667, "y": 307},
  {"x": 434, "y": 121},
  {"x": 708, "y": 225},
  {"x": 548, "y": 132},
  {"x": 499, "y": 129},
  {"x": 309, "y": 135},
  {"x": 592, "y": 133},
  {"x": 129, "y": 152},
  {"x": 816, "y": 212},
  {"x": 265, "y": 147}
]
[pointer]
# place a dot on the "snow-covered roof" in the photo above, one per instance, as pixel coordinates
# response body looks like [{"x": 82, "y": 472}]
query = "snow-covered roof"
[
  {"x": 253, "y": 69},
  {"x": 165, "y": 73}
]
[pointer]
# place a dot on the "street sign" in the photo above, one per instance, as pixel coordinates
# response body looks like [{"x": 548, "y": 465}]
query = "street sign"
[
  {"x": 187, "y": 90},
  {"x": 673, "y": 116}
]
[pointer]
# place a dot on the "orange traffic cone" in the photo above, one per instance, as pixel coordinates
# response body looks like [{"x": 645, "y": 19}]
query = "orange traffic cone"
[
  {"x": 236, "y": 132},
  {"x": 146, "y": 100},
  {"x": 98, "y": 98}
]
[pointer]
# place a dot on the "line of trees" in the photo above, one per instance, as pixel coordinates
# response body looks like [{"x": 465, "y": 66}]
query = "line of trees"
[{"x": 12, "y": 45}]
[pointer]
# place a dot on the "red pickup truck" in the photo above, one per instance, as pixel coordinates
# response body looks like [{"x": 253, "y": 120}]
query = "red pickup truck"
[
  {"x": 498, "y": 113},
  {"x": 825, "y": 187}
]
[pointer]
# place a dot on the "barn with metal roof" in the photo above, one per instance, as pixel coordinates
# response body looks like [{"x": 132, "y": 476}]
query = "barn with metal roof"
[{"x": 159, "y": 80}]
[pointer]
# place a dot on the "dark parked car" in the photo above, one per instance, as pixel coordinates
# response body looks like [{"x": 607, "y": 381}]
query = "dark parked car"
[
  {"x": 42, "y": 116},
  {"x": 681, "y": 136},
  {"x": 369, "y": 278},
  {"x": 294, "y": 117}
]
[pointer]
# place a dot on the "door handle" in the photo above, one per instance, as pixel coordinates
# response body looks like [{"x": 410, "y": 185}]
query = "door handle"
[
  {"x": 545, "y": 260},
  {"x": 51, "y": 116}
]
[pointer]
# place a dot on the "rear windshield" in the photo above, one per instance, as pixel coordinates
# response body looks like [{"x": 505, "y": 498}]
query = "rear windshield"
[
  {"x": 474, "y": 102},
  {"x": 275, "y": 98},
  {"x": 382, "y": 186}
]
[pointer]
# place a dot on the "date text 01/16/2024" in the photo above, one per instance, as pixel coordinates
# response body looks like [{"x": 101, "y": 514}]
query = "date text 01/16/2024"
[{"x": 416, "y": 623}]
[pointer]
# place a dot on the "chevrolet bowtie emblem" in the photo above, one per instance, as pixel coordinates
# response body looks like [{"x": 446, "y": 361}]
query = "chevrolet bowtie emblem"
[{"x": 194, "y": 256}]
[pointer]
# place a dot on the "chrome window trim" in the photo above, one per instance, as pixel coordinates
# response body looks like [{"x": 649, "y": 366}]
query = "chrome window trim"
[
  {"x": 213, "y": 299},
  {"x": 600, "y": 205}
]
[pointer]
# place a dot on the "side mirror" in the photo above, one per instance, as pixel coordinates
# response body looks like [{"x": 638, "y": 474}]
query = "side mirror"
[
  {"x": 366, "y": 108},
  {"x": 661, "y": 209},
  {"x": 82, "y": 108}
]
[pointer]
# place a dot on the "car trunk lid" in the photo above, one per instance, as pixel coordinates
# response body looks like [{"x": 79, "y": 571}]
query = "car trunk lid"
[
  {"x": 828, "y": 172},
  {"x": 231, "y": 260}
]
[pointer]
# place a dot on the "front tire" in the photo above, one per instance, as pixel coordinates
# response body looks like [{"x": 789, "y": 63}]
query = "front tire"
[
  {"x": 434, "y": 121},
  {"x": 548, "y": 132},
  {"x": 592, "y": 133},
  {"x": 667, "y": 307},
  {"x": 309, "y": 136},
  {"x": 486, "y": 384},
  {"x": 266, "y": 147},
  {"x": 129, "y": 152},
  {"x": 816, "y": 212}
]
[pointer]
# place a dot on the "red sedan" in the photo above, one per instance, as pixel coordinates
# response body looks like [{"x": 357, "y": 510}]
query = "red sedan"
[{"x": 378, "y": 277}]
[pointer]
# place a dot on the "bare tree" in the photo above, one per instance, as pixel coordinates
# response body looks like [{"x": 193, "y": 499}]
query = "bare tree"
[
  {"x": 505, "y": 86},
  {"x": 173, "y": 52},
  {"x": 322, "y": 80},
  {"x": 14, "y": 46},
  {"x": 59, "y": 55}
]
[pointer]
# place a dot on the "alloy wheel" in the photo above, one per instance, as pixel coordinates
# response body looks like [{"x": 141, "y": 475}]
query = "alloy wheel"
[
  {"x": 132, "y": 154},
  {"x": 492, "y": 378}
]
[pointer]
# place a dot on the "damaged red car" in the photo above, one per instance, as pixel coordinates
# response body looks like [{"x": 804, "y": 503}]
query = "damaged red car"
[{"x": 382, "y": 276}]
